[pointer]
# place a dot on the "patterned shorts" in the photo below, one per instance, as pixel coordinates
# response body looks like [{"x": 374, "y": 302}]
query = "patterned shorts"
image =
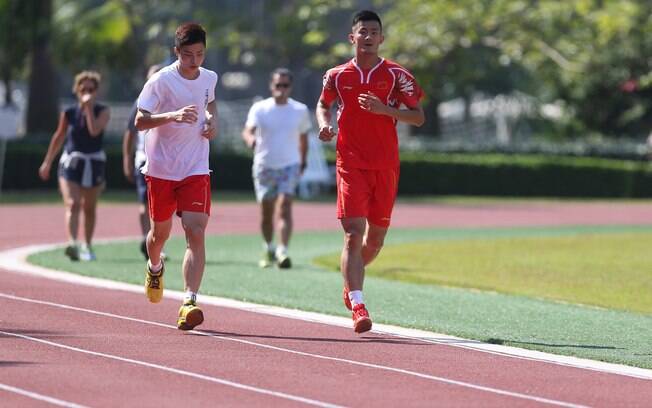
[{"x": 269, "y": 183}]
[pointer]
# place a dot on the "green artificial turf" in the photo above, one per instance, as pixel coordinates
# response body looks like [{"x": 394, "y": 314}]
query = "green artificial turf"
[
  {"x": 607, "y": 270},
  {"x": 513, "y": 319}
]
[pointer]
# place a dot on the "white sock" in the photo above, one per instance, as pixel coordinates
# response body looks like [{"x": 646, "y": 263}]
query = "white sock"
[
  {"x": 268, "y": 246},
  {"x": 155, "y": 268},
  {"x": 281, "y": 249},
  {"x": 190, "y": 296},
  {"x": 355, "y": 296}
]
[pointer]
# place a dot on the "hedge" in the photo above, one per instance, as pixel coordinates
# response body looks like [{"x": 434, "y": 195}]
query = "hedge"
[{"x": 421, "y": 173}]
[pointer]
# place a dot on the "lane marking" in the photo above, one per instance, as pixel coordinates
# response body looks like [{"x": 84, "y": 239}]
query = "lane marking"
[
  {"x": 40, "y": 397},
  {"x": 15, "y": 260},
  {"x": 177, "y": 371},
  {"x": 301, "y": 353}
]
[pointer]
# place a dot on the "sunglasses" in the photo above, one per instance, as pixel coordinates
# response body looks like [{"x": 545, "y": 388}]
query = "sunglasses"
[
  {"x": 87, "y": 90},
  {"x": 282, "y": 85}
]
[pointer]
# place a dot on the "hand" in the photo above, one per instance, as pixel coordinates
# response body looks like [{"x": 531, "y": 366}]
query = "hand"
[
  {"x": 44, "y": 171},
  {"x": 326, "y": 133},
  {"x": 187, "y": 114},
  {"x": 209, "y": 131},
  {"x": 303, "y": 166},
  {"x": 371, "y": 103},
  {"x": 128, "y": 170},
  {"x": 251, "y": 142}
]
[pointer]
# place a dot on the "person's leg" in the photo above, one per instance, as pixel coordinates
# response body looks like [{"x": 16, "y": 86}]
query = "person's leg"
[
  {"x": 351, "y": 262},
  {"x": 156, "y": 237},
  {"x": 267, "y": 219},
  {"x": 284, "y": 227},
  {"x": 194, "y": 261},
  {"x": 89, "y": 205},
  {"x": 71, "y": 194},
  {"x": 372, "y": 243}
]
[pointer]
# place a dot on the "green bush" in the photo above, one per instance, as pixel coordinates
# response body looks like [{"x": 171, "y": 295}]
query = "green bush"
[
  {"x": 231, "y": 171},
  {"x": 523, "y": 175},
  {"x": 421, "y": 173}
]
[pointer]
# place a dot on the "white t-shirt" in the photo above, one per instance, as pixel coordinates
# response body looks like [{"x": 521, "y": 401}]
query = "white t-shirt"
[
  {"x": 277, "y": 132},
  {"x": 177, "y": 150}
]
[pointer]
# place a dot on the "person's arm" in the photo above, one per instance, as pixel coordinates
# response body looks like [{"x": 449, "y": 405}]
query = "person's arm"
[
  {"x": 249, "y": 136},
  {"x": 94, "y": 124},
  {"x": 127, "y": 154},
  {"x": 146, "y": 120},
  {"x": 323, "y": 113},
  {"x": 210, "y": 126},
  {"x": 55, "y": 146},
  {"x": 371, "y": 103},
  {"x": 303, "y": 150}
]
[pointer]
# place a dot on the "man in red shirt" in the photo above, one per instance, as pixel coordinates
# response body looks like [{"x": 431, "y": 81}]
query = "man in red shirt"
[{"x": 370, "y": 91}]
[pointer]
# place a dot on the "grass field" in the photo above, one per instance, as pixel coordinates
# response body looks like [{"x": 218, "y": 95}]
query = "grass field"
[
  {"x": 606, "y": 270},
  {"x": 513, "y": 312}
]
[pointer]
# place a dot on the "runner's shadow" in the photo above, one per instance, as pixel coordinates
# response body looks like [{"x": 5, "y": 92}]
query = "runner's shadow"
[
  {"x": 4, "y": 364},
  {"x": 366, "y": 339},
  {"x": 38, "y": 334},
  {"x": 583, "y": 346}
]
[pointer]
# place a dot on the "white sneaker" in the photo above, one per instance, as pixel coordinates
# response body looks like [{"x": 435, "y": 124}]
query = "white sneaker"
[{"x": 86, "y": 254}]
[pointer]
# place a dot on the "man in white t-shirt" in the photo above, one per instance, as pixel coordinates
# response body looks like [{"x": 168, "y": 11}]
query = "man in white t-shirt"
[
  {"x": 177, "y": 107},
  {"x": 277, "y": 129}
]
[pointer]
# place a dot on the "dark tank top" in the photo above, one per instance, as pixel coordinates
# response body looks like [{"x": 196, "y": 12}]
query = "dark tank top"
[{"x": 78, "y": 139}]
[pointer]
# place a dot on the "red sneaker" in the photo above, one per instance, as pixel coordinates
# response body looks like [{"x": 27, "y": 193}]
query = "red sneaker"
[
  {"x": 345, "y": 297},
  {"x": 361, "y": 319}
]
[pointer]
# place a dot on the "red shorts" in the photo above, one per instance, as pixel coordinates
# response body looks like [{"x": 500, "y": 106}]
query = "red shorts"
[
  {"x": 190, "y": 194},
  {"x": 367, "y": 193}
]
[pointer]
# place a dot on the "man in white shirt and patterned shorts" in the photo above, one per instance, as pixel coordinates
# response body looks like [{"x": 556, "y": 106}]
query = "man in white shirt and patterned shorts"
[
  {"x": 177, "y": 107},
  {"x": 277, "y": 129}
]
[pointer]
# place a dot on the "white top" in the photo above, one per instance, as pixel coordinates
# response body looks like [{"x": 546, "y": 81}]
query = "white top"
[
  {"x": 277, "y": 132},
  {"x": 177, "y": 150}
]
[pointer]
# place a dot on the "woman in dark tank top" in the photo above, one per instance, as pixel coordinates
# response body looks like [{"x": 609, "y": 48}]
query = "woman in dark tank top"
[{"x": 82, "y": 165}]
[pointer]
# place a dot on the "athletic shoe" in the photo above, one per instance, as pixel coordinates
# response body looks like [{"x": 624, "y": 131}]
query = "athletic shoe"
[
  {"x": 190, "y": 316},
  {"x": 361, "y": 319},
  {"x": 72, "y": 252},
  {"x": 86, "y": 254},
  {"x": 345, "y": 297},
  {"x": 154, "y": 284},
  {"x": 283, "y": 260},
  {"x": 267, "y": 259}
]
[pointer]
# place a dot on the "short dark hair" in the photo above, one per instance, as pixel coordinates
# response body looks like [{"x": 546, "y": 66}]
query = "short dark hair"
[
  {"x": 366, "y": 15},
  {"x": 188, "y": 34},
  {"x": 282, "y": 72}
]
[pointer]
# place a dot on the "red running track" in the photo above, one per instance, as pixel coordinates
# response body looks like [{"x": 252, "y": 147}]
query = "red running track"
[{"x": 99, "y": 347}]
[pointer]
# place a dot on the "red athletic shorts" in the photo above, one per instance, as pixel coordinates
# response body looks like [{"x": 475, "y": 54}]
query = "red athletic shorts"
[
  {"x": 190, "y": 194},
  {"x": 367, "y": 193}
]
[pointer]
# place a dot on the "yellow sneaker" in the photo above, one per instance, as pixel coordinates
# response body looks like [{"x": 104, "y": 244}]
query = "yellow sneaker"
[
  {"x": 154, "y": 284},
  {"x": 267, "y": 259},
  {"x": 190, "y": 316}
]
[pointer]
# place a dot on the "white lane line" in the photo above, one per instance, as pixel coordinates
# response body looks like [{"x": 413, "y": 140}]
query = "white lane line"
[
  {"x": 40, "y": 397},
  {"x": 177, "y": 371},
  {"x": 15, "y": 260},
  {"x": 306, "y": 354}
]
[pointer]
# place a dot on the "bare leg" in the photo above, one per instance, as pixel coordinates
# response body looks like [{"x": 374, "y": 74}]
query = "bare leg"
[
  {"x": 194, "y": 261},
  {"x": 267, "y": 219},
  {"x": 71, "y": 194},
  {"x": 374, "y": 239},
  {"x": 351, "y": 261},
  {"x": 89, "y": 204},
  {"x": 284, "y": 211},
  {"x": 156, "y": 238}
]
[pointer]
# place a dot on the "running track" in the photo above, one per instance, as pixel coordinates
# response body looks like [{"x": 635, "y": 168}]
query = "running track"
[{"x": 71, "y": 345}]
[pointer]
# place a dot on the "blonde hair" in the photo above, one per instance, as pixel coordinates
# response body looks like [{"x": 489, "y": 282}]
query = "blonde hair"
[{"x": 93, "y": 76}]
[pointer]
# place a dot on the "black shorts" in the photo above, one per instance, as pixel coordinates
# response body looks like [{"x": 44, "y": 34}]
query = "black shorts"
[{"x": 75, "y": 173}]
